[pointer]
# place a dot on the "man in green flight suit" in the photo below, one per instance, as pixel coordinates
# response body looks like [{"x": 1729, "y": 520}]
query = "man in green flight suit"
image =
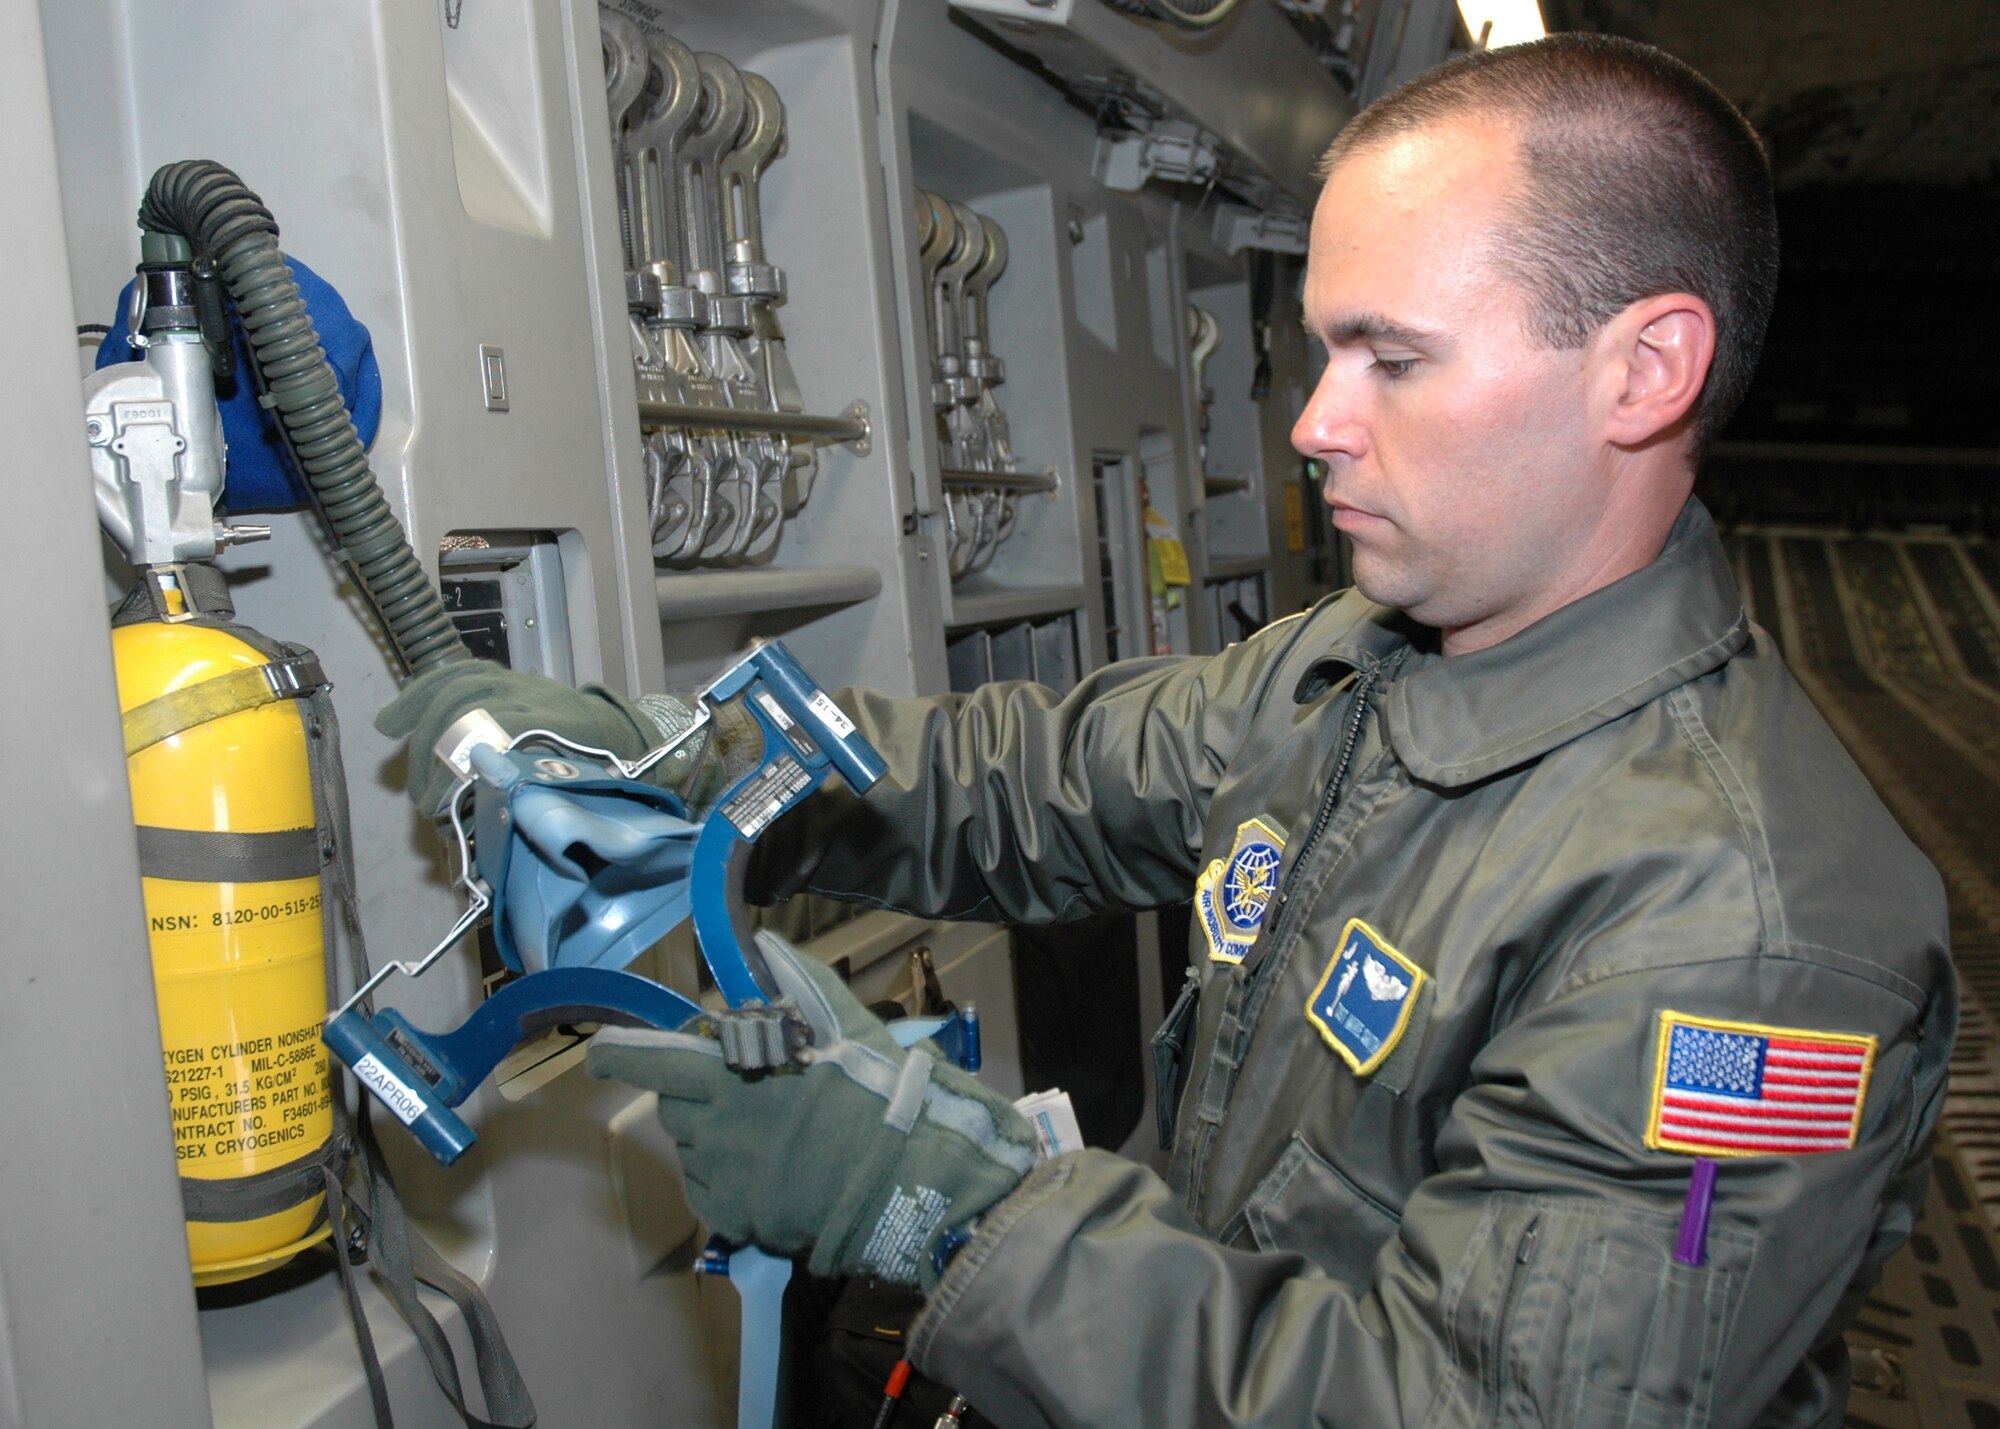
[{"x": 1529, "y": 888}]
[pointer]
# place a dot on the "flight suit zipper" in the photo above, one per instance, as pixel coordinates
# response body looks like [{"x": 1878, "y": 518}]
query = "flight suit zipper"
[
  {"x": 1241, "y": 996},
  {"x": 1503, "y": 1319},
  {"x": 1171, "y": 1046},
  {"x": 1329, "y": 801},
  {"x": 1524, "y": 1253}
]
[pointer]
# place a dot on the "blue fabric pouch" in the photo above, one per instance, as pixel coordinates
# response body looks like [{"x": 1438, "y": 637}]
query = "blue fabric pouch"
[{"x": 258, "y": 476}]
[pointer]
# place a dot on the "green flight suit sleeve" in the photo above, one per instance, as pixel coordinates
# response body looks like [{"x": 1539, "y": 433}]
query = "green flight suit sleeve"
[
  {"x": 1012, "y": 804},
  {"x": 1531, "y": 1279}
]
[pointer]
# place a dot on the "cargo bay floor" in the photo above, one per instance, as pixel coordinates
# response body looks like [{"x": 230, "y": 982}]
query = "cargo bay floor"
[{"x": 1897, "y": 640}]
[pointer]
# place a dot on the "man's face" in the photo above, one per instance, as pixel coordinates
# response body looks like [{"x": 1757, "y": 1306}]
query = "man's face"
[{"x": 1456, "y": 444}]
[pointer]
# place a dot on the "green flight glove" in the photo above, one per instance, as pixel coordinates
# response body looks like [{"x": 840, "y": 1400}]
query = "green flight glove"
[
  {"x": 863, "y": 1153},
  {"x": 593, "y": 715}
]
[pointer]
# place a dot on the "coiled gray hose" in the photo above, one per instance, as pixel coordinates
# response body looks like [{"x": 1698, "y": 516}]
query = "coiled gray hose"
[{"x": 220, "y": 217}]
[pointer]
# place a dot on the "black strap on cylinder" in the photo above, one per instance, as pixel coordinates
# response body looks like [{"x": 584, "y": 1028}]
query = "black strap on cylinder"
[
  {"x": 262, "y": 1193},
  {"x": 217, "y": 856}
]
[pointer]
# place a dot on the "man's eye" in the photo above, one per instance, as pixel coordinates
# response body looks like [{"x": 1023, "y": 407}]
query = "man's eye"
[{"x": 1393, "y": 367}]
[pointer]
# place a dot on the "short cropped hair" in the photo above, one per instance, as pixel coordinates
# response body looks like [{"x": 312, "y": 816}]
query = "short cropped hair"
[{"x": 1642, "y": 179}]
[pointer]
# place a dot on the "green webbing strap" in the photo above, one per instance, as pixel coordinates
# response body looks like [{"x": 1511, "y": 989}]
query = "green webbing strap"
[
  {"x": 401, "y": 1258},
  {"x": 340, "y": 921},
  {"x": 288, "y": 679},
  {"x": 216, "y": 856},
  {"x": 345, "y": 1235}
]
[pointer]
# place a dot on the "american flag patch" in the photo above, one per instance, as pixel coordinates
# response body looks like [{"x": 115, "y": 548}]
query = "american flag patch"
[{"x": 1738, "y": 1089}]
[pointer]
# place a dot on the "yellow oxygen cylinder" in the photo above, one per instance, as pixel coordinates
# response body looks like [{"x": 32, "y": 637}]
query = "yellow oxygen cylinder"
[{"x": 229, "y": 855}]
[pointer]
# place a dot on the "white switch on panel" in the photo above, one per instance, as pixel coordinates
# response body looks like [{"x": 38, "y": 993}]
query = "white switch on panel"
[{"x": 493, "y": 376}]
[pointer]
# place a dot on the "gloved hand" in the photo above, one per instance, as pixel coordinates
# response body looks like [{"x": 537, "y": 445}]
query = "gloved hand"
[
  {"x": 859, "y": 1151},
  {"x": 593, "y": 715}
]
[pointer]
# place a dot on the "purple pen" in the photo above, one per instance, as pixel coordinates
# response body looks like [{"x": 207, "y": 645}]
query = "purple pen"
[{"x": 1691, "y": 1248}]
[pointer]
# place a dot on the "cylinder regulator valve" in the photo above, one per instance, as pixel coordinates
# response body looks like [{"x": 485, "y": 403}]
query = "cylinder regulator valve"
[{"x": 156, "y": 448}]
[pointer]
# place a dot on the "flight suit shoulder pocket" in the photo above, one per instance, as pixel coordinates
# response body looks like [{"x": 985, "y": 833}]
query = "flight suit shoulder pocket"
[
  {"x": 1307, "y": 1205},
  {"x": 1636, "y": 1335},
  {"x": 1648, "y": 1335}
]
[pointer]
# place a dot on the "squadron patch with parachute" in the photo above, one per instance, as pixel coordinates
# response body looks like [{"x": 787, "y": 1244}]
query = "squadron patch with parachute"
[
  {"x": 1365, "y": 997},
  {"x": 1233, "y": 894},
  {"x": 1744, "y": 1089}
]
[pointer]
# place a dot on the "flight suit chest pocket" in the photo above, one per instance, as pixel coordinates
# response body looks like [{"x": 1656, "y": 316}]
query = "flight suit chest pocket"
[{"x": 1307, "y": 1205}]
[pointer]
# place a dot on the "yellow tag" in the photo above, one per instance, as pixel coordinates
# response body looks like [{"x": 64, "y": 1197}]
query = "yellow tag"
[
  {"x": 1167, "y": 556},
  {"x": 1295, "y": 519}
]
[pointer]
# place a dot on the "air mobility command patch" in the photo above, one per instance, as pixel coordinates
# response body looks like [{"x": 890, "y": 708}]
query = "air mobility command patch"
[
  {"x": 1740, "y": 1089},
  {"x": 1363, "y": 1003},
  {"x": 1233, "y": 894}
]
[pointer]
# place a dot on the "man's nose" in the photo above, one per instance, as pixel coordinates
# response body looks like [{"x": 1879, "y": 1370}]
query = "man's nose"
[{"x": 1330, "y": 425}]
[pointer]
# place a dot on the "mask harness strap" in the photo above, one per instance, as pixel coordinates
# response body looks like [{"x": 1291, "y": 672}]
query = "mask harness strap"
[{"x": 370, "y": 1222}]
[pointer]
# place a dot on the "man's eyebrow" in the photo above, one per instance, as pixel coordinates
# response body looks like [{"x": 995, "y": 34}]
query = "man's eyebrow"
[{"x": 1373, "y": 327}]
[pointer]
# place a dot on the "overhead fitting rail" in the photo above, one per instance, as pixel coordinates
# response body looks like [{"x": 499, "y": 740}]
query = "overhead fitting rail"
[
  {"x": 850, "y": 429},
  {"x": 1018, "y": 482},
  {"x": 703, "y": 595}
]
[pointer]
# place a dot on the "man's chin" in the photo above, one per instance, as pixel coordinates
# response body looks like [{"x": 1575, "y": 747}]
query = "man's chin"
[
  {"x": 1403, "y": 591},
  {"x": 1389, "y": 587}
]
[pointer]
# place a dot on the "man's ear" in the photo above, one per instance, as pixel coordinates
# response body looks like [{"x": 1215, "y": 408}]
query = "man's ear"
[{"x": 1656, "y": 359}]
